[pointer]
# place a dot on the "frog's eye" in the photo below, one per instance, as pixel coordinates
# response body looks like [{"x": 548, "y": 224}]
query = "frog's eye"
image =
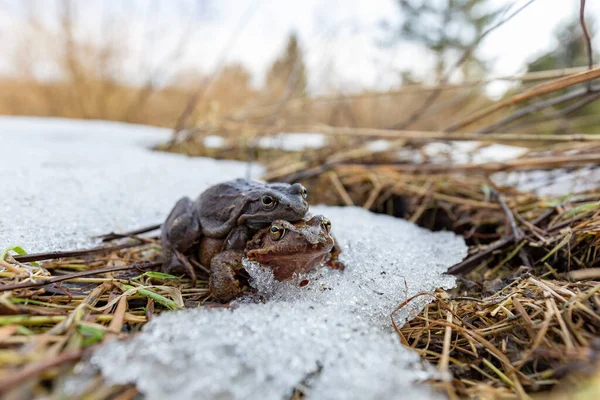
[
  {"x": 326, "y": 224},
  {"x": 277, "y": 232},
  {"x": 268, "y": 202},
  {"x": 304, "y": 192}
]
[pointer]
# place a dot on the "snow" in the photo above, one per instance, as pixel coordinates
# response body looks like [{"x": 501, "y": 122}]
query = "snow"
[
  {"x": 214, "y": 142},
  {"x": 66, "y": 180},
  {"x": 377, "y": 146},
  {"x": 471, "y": 152},
  {"x": 293, "y": 141},
  {"x": 557, "y": 182},
  {"x": 332, "y": 337}
]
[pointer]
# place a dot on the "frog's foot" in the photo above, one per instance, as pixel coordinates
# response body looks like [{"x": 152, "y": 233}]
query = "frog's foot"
[
  {"x": 223, "y": 283},
  {"x": 248, "y": 297},
  {"x": 334, "y": 262}
]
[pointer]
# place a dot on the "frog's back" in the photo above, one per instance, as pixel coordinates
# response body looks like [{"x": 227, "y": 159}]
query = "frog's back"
[{"x": 218, "y": 204}]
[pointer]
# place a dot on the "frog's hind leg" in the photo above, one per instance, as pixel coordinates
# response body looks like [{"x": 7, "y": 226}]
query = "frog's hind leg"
[
  {"x": 223, "y": 283},
  {"x": 179, "y": 233}
]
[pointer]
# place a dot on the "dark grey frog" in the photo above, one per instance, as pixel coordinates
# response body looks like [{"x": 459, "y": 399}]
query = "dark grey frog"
[{"x": 232, "y": 211}]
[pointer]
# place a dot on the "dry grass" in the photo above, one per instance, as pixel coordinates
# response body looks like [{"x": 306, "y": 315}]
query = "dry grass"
[{"x": 46, "y": 328}]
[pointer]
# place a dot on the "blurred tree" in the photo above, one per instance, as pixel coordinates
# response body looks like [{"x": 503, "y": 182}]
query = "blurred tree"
[
  {"x": 287, "y": 75},
  {"x": 447, "y": 28},
  {"x": 570, "y": 49}
]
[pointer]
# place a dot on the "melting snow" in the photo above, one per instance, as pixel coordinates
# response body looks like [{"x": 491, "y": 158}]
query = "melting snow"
[
  {"x": 556, "y": 182},
  {"x": 332, "y": 337},
  {"x": 377, "y": 146},
  {"x": 214, "y": 142},
  {"x": 293, "y": 141},
  {"x": 65, "y": 180}
]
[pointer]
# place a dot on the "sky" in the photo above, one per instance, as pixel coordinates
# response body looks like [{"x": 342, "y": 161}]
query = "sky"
[{"x": 340, "y": 38}]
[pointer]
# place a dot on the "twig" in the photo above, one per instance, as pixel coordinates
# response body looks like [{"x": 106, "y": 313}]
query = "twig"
[
  {"x": 588, "y": 39},
  {"x": 112, "y": 235},
  {"x": 74, "y": 253},
  {"x": 573, "y": 94},
  {"x": 471, "y": 262},
  {"x": 44, "y": 282},
  {"x": 560, "y": 114},
  {"x": 565, "y": 112},
  {"x": 337, "y": 184},
  {"x": 517, "y": 234},
  {"x": 536, "y": 91}
]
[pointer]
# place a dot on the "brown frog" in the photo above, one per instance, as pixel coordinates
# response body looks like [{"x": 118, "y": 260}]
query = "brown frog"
[
  {"x": 232, "y": 212},
  {"x": 286, "y": 248}
]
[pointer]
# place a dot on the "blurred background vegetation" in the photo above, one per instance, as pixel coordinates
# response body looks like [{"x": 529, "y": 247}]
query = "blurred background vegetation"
[{"x": 56, "y": 65}]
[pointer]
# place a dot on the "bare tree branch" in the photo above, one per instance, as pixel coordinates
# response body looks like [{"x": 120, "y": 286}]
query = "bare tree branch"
[{"x": 588, "y": 39}]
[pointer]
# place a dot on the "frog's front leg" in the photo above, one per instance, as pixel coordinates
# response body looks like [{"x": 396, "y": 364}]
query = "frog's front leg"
[
  {"x": 223, "y": 283},
  {"x": 238, "y": 238},
  {"x": 179, "y": 233},
  {"x": 333, "y": 261}
]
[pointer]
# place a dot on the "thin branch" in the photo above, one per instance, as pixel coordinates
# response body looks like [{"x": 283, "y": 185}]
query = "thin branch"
[
  {"x": 74, "y": 253},
  {"x": 573, "y": 94},
  {"x": 112, "y": 236},
  {"x": 560, "y": 114},
  {"x": 471, "y": 262},
  {"x": 517, "y": 234},
  {"x": 143, "y": 265},
  {"x": 588, "y": 39},
  {"x": 565, "y": 112}
]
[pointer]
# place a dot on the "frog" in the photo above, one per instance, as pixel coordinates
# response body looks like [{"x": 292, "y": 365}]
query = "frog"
[
  {"x": 287, "y": 249},
  {"x": 232, "y": 212}
]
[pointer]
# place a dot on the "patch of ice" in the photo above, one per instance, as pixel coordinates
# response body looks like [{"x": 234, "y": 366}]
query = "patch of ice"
[
  {"x": 557, "y": 182},
  {"x": 293, "y": 141},
  {"x": 332, "y": 337},
  {"x": 498, "y": 152},
  {"x": 214, "y": 142},
  {"x": 377, "y": 146},
  {"x": 471, "y": 152},
  {"x": 67, "y": 180}
]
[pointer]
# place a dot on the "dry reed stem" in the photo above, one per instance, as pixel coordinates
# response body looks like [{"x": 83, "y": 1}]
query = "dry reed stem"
[{"x": 536, "y": 91}]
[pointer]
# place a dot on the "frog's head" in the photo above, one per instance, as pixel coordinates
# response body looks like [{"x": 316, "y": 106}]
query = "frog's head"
[
  {"x": 289, "y": 249},
  {"x": 275, "y": 201}
]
